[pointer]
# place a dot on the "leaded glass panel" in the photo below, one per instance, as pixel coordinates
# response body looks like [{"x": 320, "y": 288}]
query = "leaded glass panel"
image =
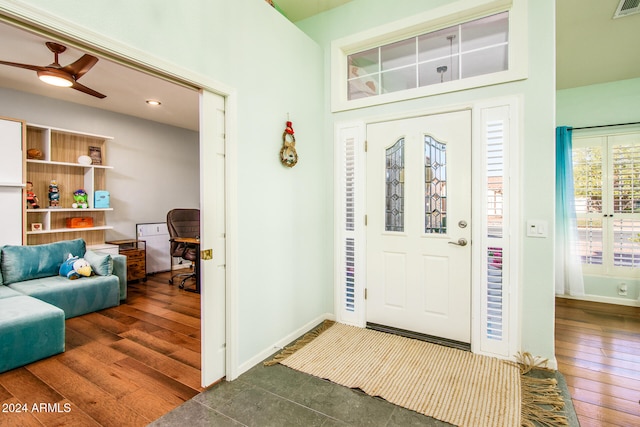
[
  {"x": 394, "y": 187},
  {"x": 435, "y": 177}
]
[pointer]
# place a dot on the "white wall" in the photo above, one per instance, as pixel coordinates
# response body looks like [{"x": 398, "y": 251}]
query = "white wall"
[
  {"x": 147, "y": 157},
  {"x": 284, "y": 255},
  {"x": 537, "y": 145}
]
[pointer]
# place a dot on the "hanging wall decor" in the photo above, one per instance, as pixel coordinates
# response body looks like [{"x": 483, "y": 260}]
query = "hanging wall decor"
[{"x": 288, "y": 154}]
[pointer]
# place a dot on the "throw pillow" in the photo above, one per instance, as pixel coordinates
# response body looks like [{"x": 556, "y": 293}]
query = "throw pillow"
[
  {"x": 20, "y": 263},
  {"x": 102, "y": 264}
]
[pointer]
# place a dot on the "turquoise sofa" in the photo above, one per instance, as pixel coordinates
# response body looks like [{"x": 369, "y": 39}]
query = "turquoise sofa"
[{"x": 35, "y": 300}]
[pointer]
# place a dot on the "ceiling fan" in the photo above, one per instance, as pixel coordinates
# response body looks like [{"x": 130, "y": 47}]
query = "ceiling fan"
[{"x": 66, "y": 76}]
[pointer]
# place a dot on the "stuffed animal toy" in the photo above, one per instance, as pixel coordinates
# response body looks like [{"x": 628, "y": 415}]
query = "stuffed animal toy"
[
  {"x": 80, "y": 198},
  {"x": 75, "y": 267}
]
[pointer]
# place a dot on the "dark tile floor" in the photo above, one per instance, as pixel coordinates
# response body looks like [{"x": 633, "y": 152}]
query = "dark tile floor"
[{"x": 279, "y": 396}]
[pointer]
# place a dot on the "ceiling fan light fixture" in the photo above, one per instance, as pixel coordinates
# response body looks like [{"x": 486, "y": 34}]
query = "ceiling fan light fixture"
[{"x": 55, "y": 78}]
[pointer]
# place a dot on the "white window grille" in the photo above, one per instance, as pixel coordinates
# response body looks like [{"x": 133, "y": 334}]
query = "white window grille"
[
  {"x": 461, "y": 51},
  {"x": 606, "y": 172}
]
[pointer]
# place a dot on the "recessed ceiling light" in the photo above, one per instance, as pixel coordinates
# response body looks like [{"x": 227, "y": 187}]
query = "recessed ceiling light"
[{"x": 153, "y": 102}]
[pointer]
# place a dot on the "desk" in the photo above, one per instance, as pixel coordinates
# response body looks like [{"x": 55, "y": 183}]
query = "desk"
[{"x": 196, "y": 242}]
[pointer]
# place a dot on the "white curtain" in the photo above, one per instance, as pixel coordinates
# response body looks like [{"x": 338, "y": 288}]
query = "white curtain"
[{"x": 569, "y": 279}]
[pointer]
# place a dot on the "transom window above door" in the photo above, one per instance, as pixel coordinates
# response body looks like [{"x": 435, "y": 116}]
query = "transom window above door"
[
  {"x": 455, "y": 47},
  {"x": 466, "y": 50}
]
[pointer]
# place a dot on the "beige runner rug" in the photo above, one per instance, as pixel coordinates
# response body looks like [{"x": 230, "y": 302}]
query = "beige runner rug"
[{"x": 451, "y": 385}]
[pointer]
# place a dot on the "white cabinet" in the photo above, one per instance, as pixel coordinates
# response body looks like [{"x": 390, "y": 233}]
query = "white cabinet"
[
  {"x": 157, "y": 237},
  {"x": 11, "y": 181}
]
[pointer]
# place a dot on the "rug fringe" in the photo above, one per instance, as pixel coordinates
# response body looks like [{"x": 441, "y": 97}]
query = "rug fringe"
[
  {"x": 306, "y": 339},
  {"x": 542, "y": 402}
]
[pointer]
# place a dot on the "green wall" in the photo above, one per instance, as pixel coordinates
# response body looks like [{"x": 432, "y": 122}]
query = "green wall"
[
  {"x": 284, "y": 257},
  {"x": 537, "y": 144},
  {"x": 602, "y": 104}
]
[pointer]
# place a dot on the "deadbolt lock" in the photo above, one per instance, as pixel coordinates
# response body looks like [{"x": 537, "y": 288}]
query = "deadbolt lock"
[{"x": 462, "y": 224}]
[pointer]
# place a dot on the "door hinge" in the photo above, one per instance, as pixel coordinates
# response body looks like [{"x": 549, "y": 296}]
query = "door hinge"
[
  {"x": 366, "y": 219},
  {"x": 365, "y": 293},
  {"x": 366, "y": 145}
]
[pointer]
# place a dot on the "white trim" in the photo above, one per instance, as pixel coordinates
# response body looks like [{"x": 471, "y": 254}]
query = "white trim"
[
  {"x": 512, "y": 237},
  {"x": 512, "y": 225},
  {"x": 432, "y": 20},
  {"x": 282, "y": 343},
  {"x": 231, "y": 218},
  {"x": 74, "y": 35}
]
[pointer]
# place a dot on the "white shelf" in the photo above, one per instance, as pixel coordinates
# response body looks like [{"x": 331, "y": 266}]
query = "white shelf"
[
  {"x": 78, "y": 165},
  {"x": 60, "y": 148},
  {"x": 44, "y": 210},
  {"x": 71, "y": 230}
]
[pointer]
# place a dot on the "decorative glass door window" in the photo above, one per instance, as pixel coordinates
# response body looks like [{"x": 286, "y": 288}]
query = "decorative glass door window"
[
  {"x": 435, "y": 179},
  {"x": 394, "y": 187},
  {"x": 470, "y": 49}
]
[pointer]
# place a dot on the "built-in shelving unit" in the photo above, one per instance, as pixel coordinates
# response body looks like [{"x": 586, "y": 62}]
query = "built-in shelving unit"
[{"x": 60, "y": 152}]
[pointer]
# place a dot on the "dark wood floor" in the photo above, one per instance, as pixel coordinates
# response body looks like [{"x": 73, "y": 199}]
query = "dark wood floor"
[
  {"x": 129, "y": 365},
  {"x": 124, "y": 366},
  {"x": 598, "y": 352}
]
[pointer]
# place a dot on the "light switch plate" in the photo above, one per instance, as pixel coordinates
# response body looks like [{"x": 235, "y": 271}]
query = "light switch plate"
[{"x": 537, "y": 228}]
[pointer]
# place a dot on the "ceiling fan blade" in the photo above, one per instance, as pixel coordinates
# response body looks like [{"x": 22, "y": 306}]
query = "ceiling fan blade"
[
  {"x": 88, "y": 91},
  {"x": 81, "y": 66},
  {"x": 27, "y": 66}
]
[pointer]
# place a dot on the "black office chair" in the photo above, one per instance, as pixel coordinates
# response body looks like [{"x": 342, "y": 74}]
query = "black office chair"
[{"x": 184, "y": 223}]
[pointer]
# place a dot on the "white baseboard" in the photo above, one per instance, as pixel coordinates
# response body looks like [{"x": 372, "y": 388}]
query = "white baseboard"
[
  {"x": 606, "y": 300},
  {"x": 280, "y": 344}
]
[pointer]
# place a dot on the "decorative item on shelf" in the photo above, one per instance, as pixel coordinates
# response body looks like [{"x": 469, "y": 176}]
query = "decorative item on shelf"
[
  {"x": 95, "y": 153},
  {"x": 34, "y": 153},
  {"x": 79, "y": 222},
  {"x": 36, "y": 226},
  {"x": 80, "y": 199},
  {"x": 288, "y": 154},
  {"x": 85, "y": 160},
  {"x": 101, "y": 199},
  {"x": 54, "y": 194},
  {"x": 32, "y": 199}
]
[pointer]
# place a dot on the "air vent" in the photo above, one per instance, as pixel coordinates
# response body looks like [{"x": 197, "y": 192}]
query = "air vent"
[{"x": 626, "y": 8}]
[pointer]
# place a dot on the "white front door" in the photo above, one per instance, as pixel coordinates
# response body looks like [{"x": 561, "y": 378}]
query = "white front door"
[{"x": 419, "y": 224}]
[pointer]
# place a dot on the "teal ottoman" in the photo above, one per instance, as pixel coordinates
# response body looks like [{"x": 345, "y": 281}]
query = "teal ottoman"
[{"x": 30, "y": 330}]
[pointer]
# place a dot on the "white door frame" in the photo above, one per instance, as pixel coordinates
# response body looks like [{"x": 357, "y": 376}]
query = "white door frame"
[
  {"x": 35, "y": 20},
  {"x": 350, "y": 216}
]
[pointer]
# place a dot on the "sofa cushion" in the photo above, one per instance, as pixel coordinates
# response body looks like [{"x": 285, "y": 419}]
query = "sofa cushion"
[
  {"x": 20, "y": 263},
  {"x": 102, "y": 264},
  {"x": 6, "y": 292},
  {"x": 29, "y": 330},
  {"x": 75, "y": 297}
]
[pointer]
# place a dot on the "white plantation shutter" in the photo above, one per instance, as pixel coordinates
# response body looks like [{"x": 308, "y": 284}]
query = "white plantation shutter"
[
  {"x": 607, "y": 197},
  {"x": 349, "y": 152},
  {"x": 495, "y": 259}
]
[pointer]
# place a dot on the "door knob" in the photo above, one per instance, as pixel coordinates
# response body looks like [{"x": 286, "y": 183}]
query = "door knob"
[{"x": 461, "y": 242}]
